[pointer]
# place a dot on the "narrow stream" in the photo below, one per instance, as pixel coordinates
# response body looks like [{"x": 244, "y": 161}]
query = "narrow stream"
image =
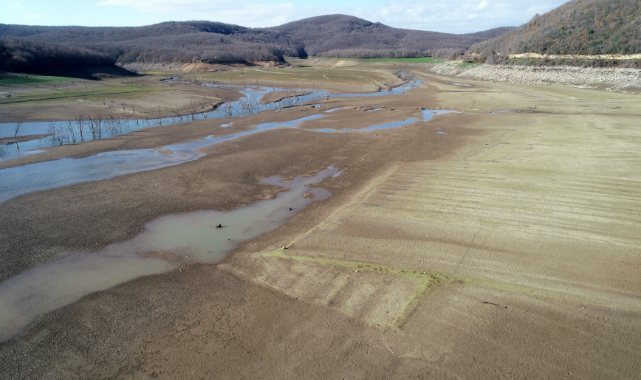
[
  {"x": 167, "y": 243},
  {"x": 249, "y": 103},
  {"x": 49, "y": 175}
]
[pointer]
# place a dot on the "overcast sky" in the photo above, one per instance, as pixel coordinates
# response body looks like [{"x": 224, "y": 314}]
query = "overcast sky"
[{"x": 451, "y": 16}]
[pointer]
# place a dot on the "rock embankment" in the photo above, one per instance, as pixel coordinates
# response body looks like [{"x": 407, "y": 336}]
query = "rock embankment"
[{"x": 619, "y": 79}]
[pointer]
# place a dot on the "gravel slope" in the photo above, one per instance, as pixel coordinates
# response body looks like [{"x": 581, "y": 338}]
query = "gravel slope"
[{"x": 617, "y": 79}]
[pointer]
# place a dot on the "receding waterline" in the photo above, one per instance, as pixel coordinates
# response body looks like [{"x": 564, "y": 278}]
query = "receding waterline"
[
  {"x": 36, "y": 177},
  {"x": 249, "y": 103},
  {"x": 166, "y": 243},
  {"x": 31, "y": 178}
]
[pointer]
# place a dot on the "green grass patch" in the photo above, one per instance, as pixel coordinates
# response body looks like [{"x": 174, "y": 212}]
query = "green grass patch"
[
  {"x": 94, "y": 94},
  {"x": 18, "y": 79},
  {"x": 409, "y": 60},
  {"x": 296, "y": 76},
  {"x": 468, "y": 64},
  {"x": 424, "y": 281},
  {"x": 406, "y": 60}
]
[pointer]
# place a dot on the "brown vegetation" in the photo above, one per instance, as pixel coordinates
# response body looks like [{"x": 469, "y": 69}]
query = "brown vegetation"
[
  {"x": 340, "y": 36},
  {"x": 536, "y": 279},
  {"x": 578, "y": 27},
  {"x": 213, "y": 42},
  {"x": 19, "y": 55}
]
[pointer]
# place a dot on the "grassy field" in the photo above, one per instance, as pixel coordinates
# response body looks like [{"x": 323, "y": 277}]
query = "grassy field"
[
  {"x": 93, "y": 94},
  {"x": 329, "y": 78},
  {"x": 20, "y": 79},
  {"x": 403, "y": 60}
]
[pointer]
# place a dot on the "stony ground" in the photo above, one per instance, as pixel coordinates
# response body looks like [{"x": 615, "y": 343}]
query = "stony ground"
[
  {"x": 506, "y": 248},
  {"x": 609, "y": 78}
]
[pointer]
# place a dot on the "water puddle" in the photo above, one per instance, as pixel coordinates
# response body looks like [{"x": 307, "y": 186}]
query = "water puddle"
[
  {"x": 396, "y": 124},
  {"x": 459, "y": 84},
  {"x": 334, "y": 109},
  {"x": 166, "y": 243},
  {"x": 429, "y": 114},
  {"x": 69, "y": 171},
  {"x": 249, "y": 103}
]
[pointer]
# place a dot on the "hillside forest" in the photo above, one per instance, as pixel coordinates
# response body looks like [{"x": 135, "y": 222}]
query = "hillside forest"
[
  {"x": 339, "y": 36},
  {"x": 577, "y": 27}
]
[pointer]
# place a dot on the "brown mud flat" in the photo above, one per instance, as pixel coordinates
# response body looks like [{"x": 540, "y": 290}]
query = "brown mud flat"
[
  {"x": 507, "y": 247},
  {"x": 145, "y": 98},
  {"x": 273, "y": 97},
  {"x": 19, "y": 139}
]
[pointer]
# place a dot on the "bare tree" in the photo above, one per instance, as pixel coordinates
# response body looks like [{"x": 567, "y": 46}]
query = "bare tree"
[
  {"x": 71, "y": 131},
  {"x": 193, "y": 109},
  {"x": 95, "y": 127},
  {"x": 177, "y": 114},
  {"x": 58, "y": 135},
  {"x": 80, "y": 121},
  {"x": 15, "y": 133}
]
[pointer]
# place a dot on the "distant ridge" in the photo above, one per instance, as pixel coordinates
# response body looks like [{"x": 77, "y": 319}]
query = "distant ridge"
[
  {"x": 577, "y": 27},
  {"x": 214, "y": 42},
  {"x": 348, "y": 36}
]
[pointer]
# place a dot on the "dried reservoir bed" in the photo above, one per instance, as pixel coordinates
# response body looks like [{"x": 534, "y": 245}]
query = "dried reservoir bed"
[{"x": 508, "y": 247}]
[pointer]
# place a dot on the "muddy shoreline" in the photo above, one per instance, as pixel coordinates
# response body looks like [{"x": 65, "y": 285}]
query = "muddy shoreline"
[
  {"x": 19, "y": 139},
  {"x": 619, "y": 79},
  {"x": 447, "y": 230}
]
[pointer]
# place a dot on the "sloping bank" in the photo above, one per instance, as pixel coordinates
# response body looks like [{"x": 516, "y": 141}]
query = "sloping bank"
[{"x": 618, "y": 79}]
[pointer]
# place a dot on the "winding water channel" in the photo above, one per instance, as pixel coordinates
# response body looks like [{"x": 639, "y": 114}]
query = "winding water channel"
[
  {"x": 167, "y": 242},
  {"x": 249, "y": 103},
  {"x": 186, "y": 238},
  {"x": 31, "y": 178}
]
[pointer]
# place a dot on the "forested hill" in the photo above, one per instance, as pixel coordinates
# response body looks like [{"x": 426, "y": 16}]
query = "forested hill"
[
  {"x": 347, "y": 36},
  {"x": 18, "y": 55},
  {"x": 214, "y": 42},
  {"x": 577, "y": 27},
  {"x": 166, "y": 42}
]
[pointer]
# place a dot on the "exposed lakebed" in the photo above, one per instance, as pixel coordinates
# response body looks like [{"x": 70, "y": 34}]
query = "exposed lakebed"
[
  {"x": 248, "y": 104},
  {"x": 31, "y": 178},
  {"x": 167, "y": 243}
]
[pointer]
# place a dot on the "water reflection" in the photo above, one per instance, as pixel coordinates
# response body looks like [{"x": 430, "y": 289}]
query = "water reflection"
[
  {"x": 69, "y": 171},
  {"x": 166, "y": 243},
  {"x": 249, "y": 103}
]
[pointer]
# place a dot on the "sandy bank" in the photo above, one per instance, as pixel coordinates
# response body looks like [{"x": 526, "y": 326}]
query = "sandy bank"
[
  {"x": 475, "y": 245},
  {"x": 609, "y": 78}
]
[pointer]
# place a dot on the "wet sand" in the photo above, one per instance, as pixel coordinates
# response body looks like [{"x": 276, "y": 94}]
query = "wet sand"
[
  {"x": 508, "y": 247},
  {"x": 19, "y": 139}
]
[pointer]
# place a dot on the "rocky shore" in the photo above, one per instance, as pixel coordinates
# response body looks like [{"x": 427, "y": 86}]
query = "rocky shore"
[{"x": 613, "y": 79}]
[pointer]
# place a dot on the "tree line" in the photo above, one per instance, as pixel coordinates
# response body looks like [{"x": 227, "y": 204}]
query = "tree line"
[
  {"x": 328, "y": 36},
  {"x": 586, "y": 27},
  {"x": 18, "y": 55}
]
